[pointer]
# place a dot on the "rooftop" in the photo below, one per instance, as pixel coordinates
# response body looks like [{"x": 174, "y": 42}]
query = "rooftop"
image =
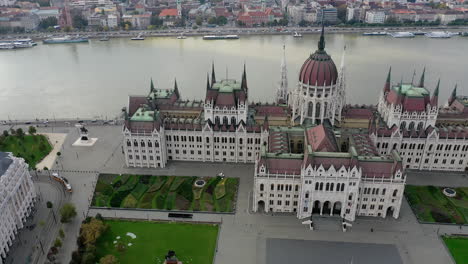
[
  {"x": 410, "y": 90},
  {"x": 143, "y": 114},
  {"x": 227, "y": 86}
]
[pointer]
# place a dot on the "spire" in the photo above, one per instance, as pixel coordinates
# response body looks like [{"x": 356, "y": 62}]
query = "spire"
[
  {"x": 207, "y": 81},
  {"x": 244, "y": 80},
  {"x": 453, "y": 96},
  {"x": 435, "y": 96},
  {"x": 281, "y": 95},
  {"x": 213, "y": 77},
  {"x": 176, "y": 89},
  {"x": 421, "y": 81},
  {"x": 388, "y": 81},
  {"x": 151, "y": 86},
  {"x": 321, "y": 44},
  {"x": 265, "y": 123}
]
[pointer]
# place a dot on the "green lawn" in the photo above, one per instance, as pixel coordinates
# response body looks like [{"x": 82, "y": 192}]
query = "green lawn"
[
  {"x": 431, "y": 205},
  {"x": 458, "y": 247},
  {"x": 166, "y": 192},
  {"x": 33, "y": 148},
  {"x": 193, "y": 243}
]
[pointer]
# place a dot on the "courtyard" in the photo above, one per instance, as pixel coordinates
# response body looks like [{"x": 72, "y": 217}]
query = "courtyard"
[
  {"x": 149, "y": 242},
  {"x": 212, "y": 194},
  {"x": 431, "y": 205}
]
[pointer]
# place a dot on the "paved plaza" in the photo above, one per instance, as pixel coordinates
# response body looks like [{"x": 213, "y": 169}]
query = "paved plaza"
[
  {"x": 280, "y": 251},
  {"x": 246, "y": 237}
]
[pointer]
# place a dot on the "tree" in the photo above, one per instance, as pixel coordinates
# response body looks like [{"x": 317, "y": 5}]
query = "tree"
[
  {"x": 341, "y": 10},
  {"x": 79, "y": 21},
  {"x": 57, "y": 243},
  {"x": 88, "y": 258},
  {"x": 67, "y": 212},
  {"x": 48, "y": 22},
  {"x": 109, "y": 259},
  {"x": 20, "y": 132},
  {"x": 67, "y": 29},
  {"x": 212, "y": 20},
  {"x": 61, "y": 233},
  {"x": 92, "y": 231},
  {"x": 49, "y": 204},
  {"x": 5, "y": 133},
  {"x": 199, "y": 20},
  {"x": 221, "y": 20},
  {"x": 32, "y": 130},
  {"x": 156, "y": 21}
]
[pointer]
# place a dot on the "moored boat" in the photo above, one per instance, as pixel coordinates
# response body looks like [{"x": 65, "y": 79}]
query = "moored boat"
[
  {"x": 297, "y": 35},
  {"x": 139, "y": 37},
  {"x": 215, "y": 37},
  {"x": 66, "y": 39},
  {"x": 402, "y": 35},
  {"x": 438, "y": 34},
  {"x": 376, "y": 33},
  {"x": 104, "y": 39}
]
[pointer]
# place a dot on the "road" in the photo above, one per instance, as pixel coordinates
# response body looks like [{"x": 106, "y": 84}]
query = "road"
[{"x": 231, "y": 30}]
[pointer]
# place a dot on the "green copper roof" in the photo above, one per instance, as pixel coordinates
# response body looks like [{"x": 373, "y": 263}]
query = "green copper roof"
[
  {"x": 463, "y": 100},
  {"x": 143, "y": 115},
  {"x": 227, "y": 86},
  {"x": 284, "y": 155},
  {"x": 410, "y": 90}
]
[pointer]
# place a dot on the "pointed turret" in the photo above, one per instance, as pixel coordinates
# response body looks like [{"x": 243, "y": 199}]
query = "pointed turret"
[
  {"x": 176, "y": 89},
  {"x": 207, "y": 81},
  {"x": 266, "y": 125},
  {"x": 213, "y": 77},
  {"x": 435, "y": 96},
  {"x": 388, "y": 81},
  {"x": 421, "y": 81},
  {"x": 244, "y": 80},
  {"x": 151, "y": 86},
  {"x": 453, "y": 96}
]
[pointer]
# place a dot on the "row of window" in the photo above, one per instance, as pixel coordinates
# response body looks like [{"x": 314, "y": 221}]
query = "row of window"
[
  {"x": 142, "y": 143},
  {"x": 279, "y": 202},
  {"x": 329, "y": 187},
  {"x": 281, "y": 187},
  {"x": 420, "y": 146},
  {"x": 199, "y": 152},
  {"x": 143, "y": 157},
  {"x": 371, "y": 207},
  {"x": 375, "y": 191}
]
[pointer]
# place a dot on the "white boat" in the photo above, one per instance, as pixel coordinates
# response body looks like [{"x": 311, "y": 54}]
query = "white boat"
[
  {"x": 6, "y": 45},
  {"x": 297, "y": 35},
  {"x": 215, "y": 37},
  {"x": 181, "y": 36},
  {"x": 439, "y": 34},
  {"x": 139, "y": 37},
  {"x": 402, "y": 35}
]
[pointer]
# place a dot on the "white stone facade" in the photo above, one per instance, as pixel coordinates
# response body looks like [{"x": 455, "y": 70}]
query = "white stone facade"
[
  {"x": 17, "y": 197},
  {"x": 341, "y": 192}
]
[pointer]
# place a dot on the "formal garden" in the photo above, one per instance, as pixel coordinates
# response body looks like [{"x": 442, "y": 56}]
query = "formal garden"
[
  {"x": 211, "y": 194},
  {"x": 430, "y": 204},
  {"x": 458, "y": 247},
  {"x": 120, "y": 241},
  {"x": 31, "y": 147}
]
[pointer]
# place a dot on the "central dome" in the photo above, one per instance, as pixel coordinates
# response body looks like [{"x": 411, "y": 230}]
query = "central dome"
[{"x": 319, "y": 69}]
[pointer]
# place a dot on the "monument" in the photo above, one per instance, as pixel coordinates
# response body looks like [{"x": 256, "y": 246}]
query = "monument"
[{"x": 84, "y": 140}]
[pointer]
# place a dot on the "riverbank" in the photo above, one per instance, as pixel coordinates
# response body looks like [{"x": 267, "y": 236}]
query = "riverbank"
[{"x": 237, "y": 31}]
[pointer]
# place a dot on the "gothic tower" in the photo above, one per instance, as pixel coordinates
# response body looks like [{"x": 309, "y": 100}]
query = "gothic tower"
[{"x": 282, "y": 93}]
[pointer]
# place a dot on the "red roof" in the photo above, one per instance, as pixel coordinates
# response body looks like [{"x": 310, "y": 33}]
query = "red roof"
[
  {"x": 168, "y": 12},
  {"x": 319, "y": 69},
  {"x": 321, "y": 140},
  {"x": 281, "y": 166}
]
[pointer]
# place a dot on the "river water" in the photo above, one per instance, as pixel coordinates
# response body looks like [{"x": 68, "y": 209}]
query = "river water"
[{"x": 95, "y": 79}]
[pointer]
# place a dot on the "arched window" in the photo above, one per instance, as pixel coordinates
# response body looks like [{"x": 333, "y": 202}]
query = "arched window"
[
  {"x": 225, "y": 120},
  {"x": 316, "y": 186},
  {"x": 395, "y": 146},
  {"x": 297, "y": 188},
  {"x": 156, "y": 144},
  {"x": 395, "y": 192},
  {"x": 233, "y": 120},
  {"x": 420, "y": 125},
  {"x": 129, "y": 143},
  {"x": 403, "y": 125},
  {"x": 331, "y": 186},
  {"x": 150, "y": 144},
  {"x": 142, "y": 143},
  {"x": 342, "y": 187},
  {"x": 307, "y": 195},
  {"x": 411, "y": 126},
  {"x": 321, "y": 186},
  {"x": 383, "y": 191},
  {"x": 217, "y": 120},
  {"x": 135, "y": 143},
  {"x": 310, "y": 109},
  {"x": 272, "y": 187},
  {"x": 261, "y": 187},
  {"x": 338, "y": 186},
  {"x": 327, "y": 187},
  {"x": 317, "y": 110}
]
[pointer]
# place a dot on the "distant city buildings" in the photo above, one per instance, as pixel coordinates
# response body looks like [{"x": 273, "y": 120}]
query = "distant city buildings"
[{"x": 17, "y": 196}]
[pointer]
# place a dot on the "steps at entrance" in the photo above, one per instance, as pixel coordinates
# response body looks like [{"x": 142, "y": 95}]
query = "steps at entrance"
[{"x": 327, "y": 223}]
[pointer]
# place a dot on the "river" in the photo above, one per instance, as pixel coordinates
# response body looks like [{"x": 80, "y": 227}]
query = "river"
[{"x": 94, "y": 79}]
